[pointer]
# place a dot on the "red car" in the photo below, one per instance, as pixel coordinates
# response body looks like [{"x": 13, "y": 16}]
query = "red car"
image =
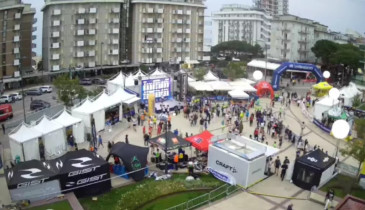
[{"x": 6, "y": 112}]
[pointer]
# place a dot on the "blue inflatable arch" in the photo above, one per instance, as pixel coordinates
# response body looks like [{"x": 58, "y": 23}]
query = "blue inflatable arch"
[{"x": 305, "y": 67}]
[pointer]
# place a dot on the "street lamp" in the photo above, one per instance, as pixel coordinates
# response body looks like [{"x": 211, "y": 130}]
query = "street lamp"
[{"x": 340, "y": 130}]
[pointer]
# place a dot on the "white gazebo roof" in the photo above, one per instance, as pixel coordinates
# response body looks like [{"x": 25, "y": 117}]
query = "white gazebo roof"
[
  {"x": 238, "y": 94},
  {"x": 25, "y": 133},
  {"x": 200, "y": 86},
  {"x": 158, "y": 73},
  {"x": 139, "y": 73},
  {"x": 66, "y": 119},
  {"x": 46, "y": 126},
  {"x": 263, "y": 64},
  {"x": 121, "y": 95},
  {"x": 129, "y": 80},
  {"x": 220, "y": 85},
  {"x": 327, "y": 101},
  {"x": 103, "y": 101},
  {"x": 349, "y": 91},
  {"x": 210, "y": 77},
  {"x": 245, "y": 87},
  {"x": 191, "y": 79},
  {"x": 88, "y": 107},
  {"x": 119, "y": 80}
]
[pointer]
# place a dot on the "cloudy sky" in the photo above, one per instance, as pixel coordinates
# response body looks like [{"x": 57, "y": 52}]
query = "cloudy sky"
[{"x": 338, "y": 15}]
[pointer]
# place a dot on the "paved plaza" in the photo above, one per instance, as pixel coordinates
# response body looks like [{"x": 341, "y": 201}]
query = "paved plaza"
[{"x": 270, "y": 186}]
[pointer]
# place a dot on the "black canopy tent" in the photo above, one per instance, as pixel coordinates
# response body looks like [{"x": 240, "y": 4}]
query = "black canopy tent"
[
  {"x": 133, "y": 157},
  {"x": 169, "y": 141},
  {"x": 32, "y": 180},
  {"x": 83, "y": 172},
  {"x": 313, "y": 169}
]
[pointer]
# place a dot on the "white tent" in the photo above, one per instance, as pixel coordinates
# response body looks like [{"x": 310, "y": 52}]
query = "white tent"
[
  {"x": 210, "y": 77},
  {"x": 200, "y": 86},
  {"x": 263, "y": 65},
  {"x": 220, "y": 85},
  {"x": 238, "y": 94},
  {"x": 129, "y": 80},
  {"x": 25, "y": 139},
  {"x": 244, "y": 86},
  {"x": 116, "y": 82},
  {"x": 191, "y": 79},
  {"x": 323, "y": 105},
  {"x": 66, "y": 120},
  {"x": 53, "y": 137},
  {"x": 84, "y": 112},
  {"x": 139, "y": 74},
  {"x": 158, "y": 73},
  {"x": 348, "y": 93}
]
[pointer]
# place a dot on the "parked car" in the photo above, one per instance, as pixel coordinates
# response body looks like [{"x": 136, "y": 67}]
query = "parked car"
[
  {"x": 34, "y": 92},
  {"x": 86, "y": 81},
  {"x": 39, "y": 104},
  {"x": 4, "y": 99},
  {"x": 46, "y": 89},
  {"x": 99, "y": 81},
  {"x": 16, "y": 96},
  {"x": 6, "y": 112}
]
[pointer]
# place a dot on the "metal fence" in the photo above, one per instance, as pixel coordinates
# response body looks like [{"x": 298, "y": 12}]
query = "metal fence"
[{"x": 216, "y": 194}]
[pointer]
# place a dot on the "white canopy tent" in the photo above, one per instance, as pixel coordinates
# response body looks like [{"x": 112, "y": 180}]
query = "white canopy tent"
[
  {"x": 220, "y": 85},
  {"x": 139, "y": 73},
  {"x": 66, "y": 120},
  {"x": 53, "y": 137},
  {"x": 238, "y": 94},
  {"x": 200, "y": 86},
  {"x": 158, "y": 73},
  {"x": 210, "y": 77},
  {"x": 129, "y": 80},
  {"x": 191, "y": 79},
  {"x": 120, "y": 96},
  {"x": 348, "y": 93},
  {"x": 24, "y": 143},
  {"x": 323, "y": 105},
  {"x": 116, "y": 82},
  {"x": 263, "y": 65},
  {"x": 243, "y": 86},
  {"x": 84, "y": 112}
]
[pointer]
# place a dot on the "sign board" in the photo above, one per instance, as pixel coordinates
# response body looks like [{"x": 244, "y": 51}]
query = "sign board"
[
  {"x": 160, "y": 88},
  {"x": 183, "y": 86}
]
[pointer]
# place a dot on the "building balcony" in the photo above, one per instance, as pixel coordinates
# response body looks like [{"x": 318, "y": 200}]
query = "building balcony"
[
  {"x": 159, "y": 30},
  {"x": 55, "y": 67},
  {"x": 302, "y": 41},
  {"x": 115, "y": 10},
  {"x": 80, "y": 21},
  {"x": 56, "y": 23},
  {"x": 91, "y": 53},
  {"x": 55, "y": 45},
  {"x": 92, "y": 42},
  {"x": 303, "y": 32},
  {"x": 206, "y": 58},
  {"x": 81, "y": 11},
  {"x": 115, "y": 20},
  {"x": 16, "y": 39},
  {"x": 92, "y": 21},
  {"x": 55, "y": 34},
  {"x": 55, "y": 56},
  {"x": 114, "y": 41},
  {"x": 159, "y": 50},
  {"x": 149, "y": 10},
  {"x": 188, "y": 12},
  {"x": 80, "y": 32},
  {"x": 80, "y": 44},
  {"x": 114, "y": 31},
  {"x": 91, "y": 32},
  {"x": 16, "y": 50},
  {"x": 17, "y": 27},
  {"x": 91, "y": 64},
  {"x": 17, "y": 15},
  {"x": 80, "y": 55},
  {"x": 159, "y": 11},
  {"x": 92, "y": 10},
  {"x": 56, "y": 12},
  {"x": 114, "y": 52},
  {"x": 159, "y": 40},
  {"x": 16, "y": 62}
]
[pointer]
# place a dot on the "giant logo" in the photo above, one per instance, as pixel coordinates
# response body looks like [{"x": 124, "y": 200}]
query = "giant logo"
[
  {"x": 198, "y": 140},
  {"x": 85, "y": 180},
  {"x": 226, "y": 166},
  {"x": 30, "y": 175},
  {"x": 81, "y": 164},
  {"x": 135, "y": 163}
]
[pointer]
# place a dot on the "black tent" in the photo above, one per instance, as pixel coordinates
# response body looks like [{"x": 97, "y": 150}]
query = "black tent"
[
  {"x": 172, "y": 141},
  {"x": 313, "y": 169},
  {"x": 83, "y": 172},
  {"x": 32, "y": 180},
  {"x": 133, "y": 157}
]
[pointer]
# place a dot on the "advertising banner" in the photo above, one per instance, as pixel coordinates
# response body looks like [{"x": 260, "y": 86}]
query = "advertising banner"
[
  {"x": 160, "y": 88},
  {"x": 183, "y": 86}
]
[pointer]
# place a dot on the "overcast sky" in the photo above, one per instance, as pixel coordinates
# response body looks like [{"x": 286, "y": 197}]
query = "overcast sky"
[{"x": 338, "y": 15}]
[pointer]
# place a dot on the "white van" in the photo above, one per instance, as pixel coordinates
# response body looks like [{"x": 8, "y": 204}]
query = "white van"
[{"x": 46, "y": 89}]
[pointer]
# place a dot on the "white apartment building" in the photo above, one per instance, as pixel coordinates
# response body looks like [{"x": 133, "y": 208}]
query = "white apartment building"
[
  {"x": 208, "y": 37},
  {"x": 273, "y": 7},
  {"x": 82, "y": 33},
  {"x": 240, "y": 22},
  {"x": 167, "y": 31},
  {"x": 293, "y": 37}
]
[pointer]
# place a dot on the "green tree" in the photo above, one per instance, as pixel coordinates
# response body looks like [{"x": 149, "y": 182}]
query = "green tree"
[
  {"x": 69, "y": 89},
  {"x": 347, "y": 54},
  {"x": 323, "y": 49},
  {"x": 235, "y": 70},
  {"x": 40, "y": 65},
  {"x": 356, "y": 147},
  {"x": 199, "y": 73},
  {"x": 236, "y": 47},
  {"x": 356, "y": 101}
]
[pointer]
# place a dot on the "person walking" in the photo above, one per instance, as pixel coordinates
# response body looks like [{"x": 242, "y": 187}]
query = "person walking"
[
  {"x": 302, "y": 128},
  {"x": 290, "y": 207},
  {"x": 3, "y": 127},
  {"x": 126, "y": 139},
  {"x": 277, "y": 165},
  {"x": 100, "y": 141},
  {"x": 284, "y": 167},
  {"x": 139, "y": 120},
  {"x": 329, "y": 198},
  {"x": 109, "y": 146},
  {"x": 146, "y": 137}
]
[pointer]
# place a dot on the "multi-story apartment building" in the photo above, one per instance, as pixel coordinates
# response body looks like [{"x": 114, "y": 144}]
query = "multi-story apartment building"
[
  {"x": 208, "y": 37},
  {"x": 273, "y": 7},
  {"x": 293, "y": 37},
  {"x": 83, "y": 33},
  {"x": 167, "y": 31},
  {"x": 240, "y": 22},
  {"x": 16, "y": 28}
]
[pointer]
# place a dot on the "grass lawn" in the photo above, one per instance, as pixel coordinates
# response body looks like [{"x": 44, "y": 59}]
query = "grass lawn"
[
  {"x": 172, "y": 200},
  {"x": 341, "y": 185},
  {"x": 135, "y": 195},
  {"x": 61, "y": 205}
]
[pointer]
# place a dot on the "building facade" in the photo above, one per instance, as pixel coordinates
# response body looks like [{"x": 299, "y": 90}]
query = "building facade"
[
  {"x": 84, "y": 33},
  {"x": 208, "y": 37},
  {"x": 293, "y": 37},
  {"x": 16, "y": 26},
  {"x": 167, "y": 31},
  {"x": 273, "y": 7},
  {"x": 239, "y": 22}
]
